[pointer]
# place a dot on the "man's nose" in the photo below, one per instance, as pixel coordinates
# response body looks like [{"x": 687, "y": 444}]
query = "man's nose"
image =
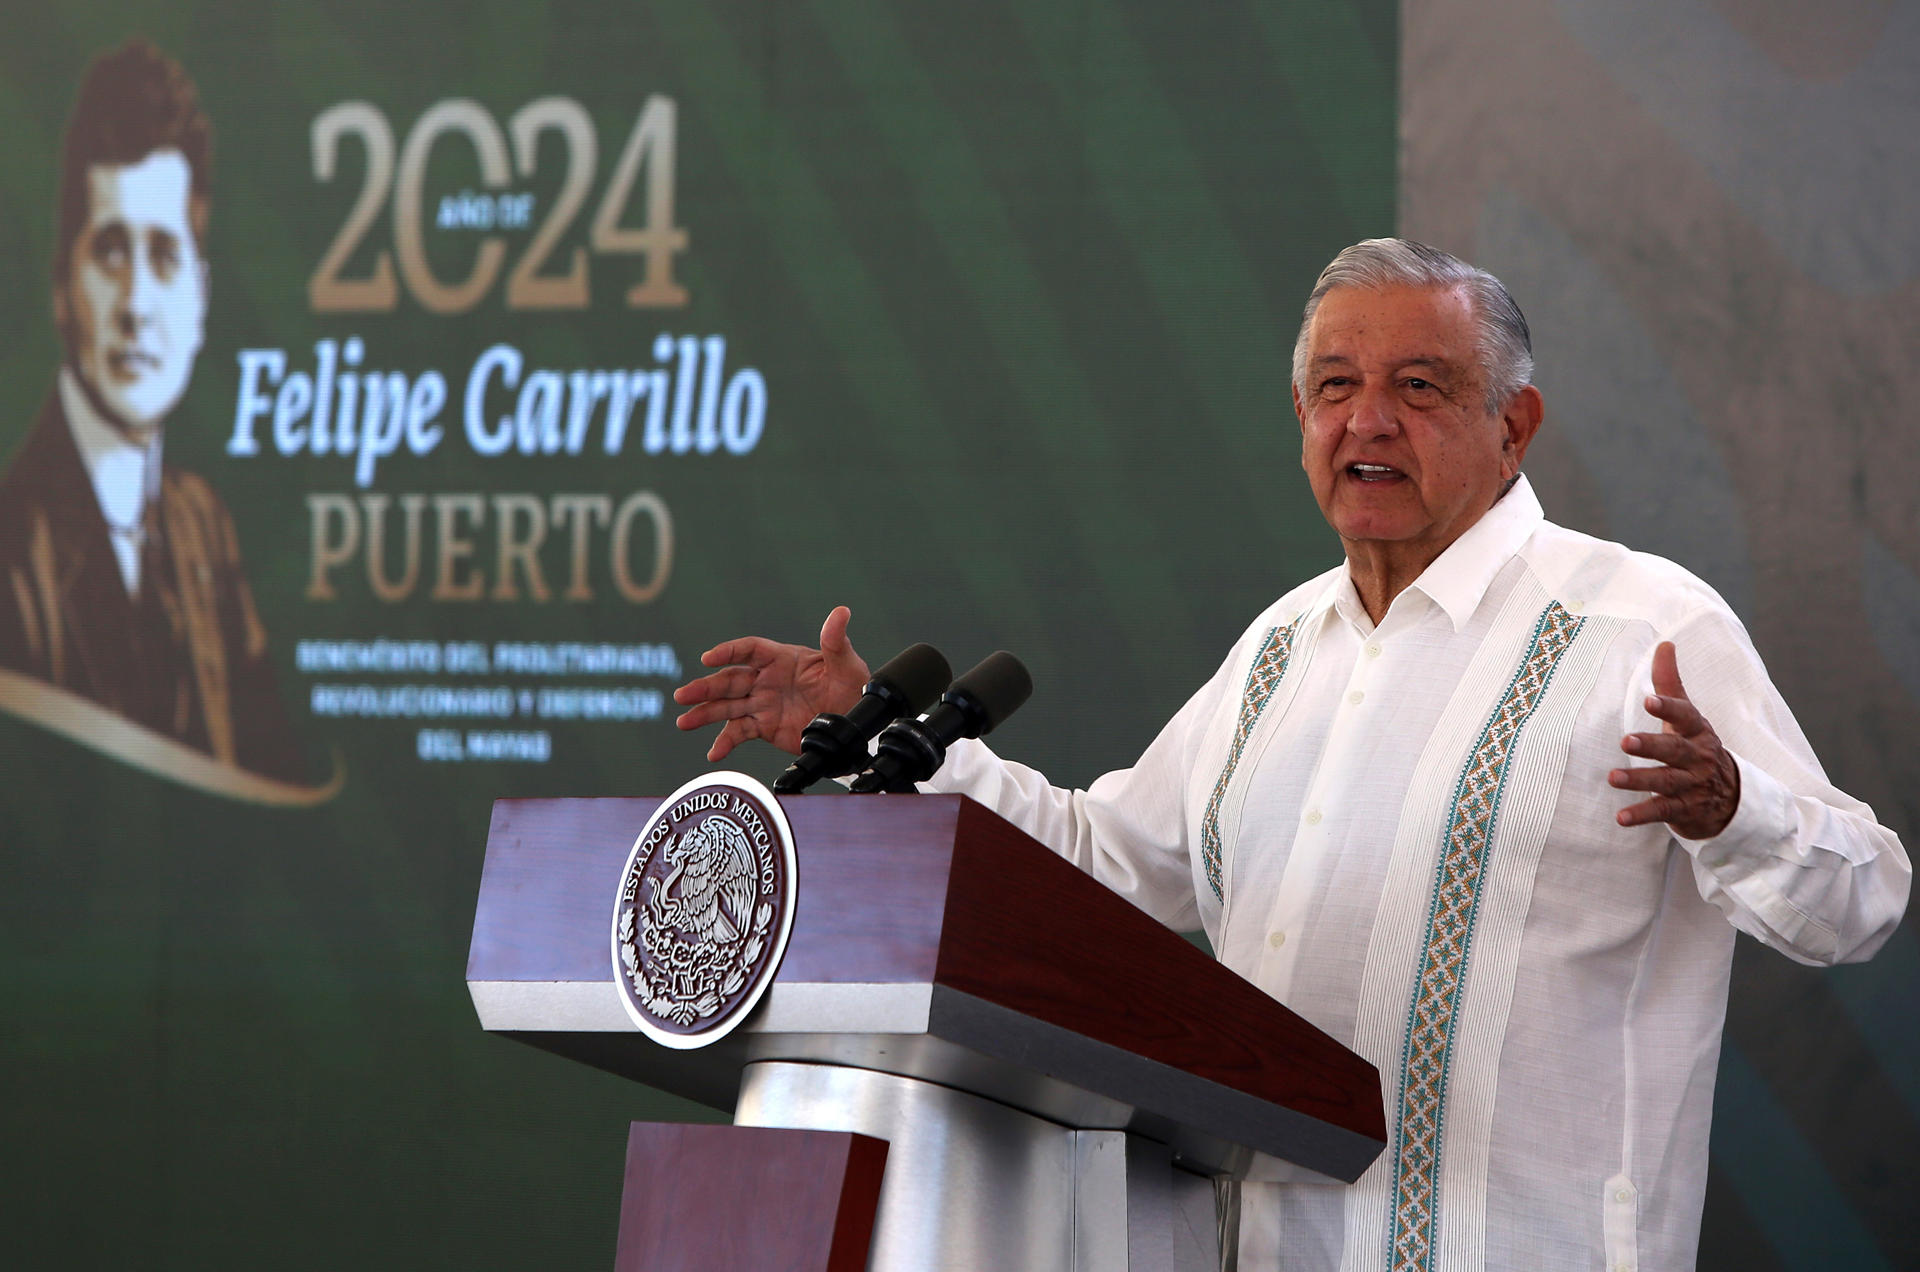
[
  {"x": 138, "y": 294},
  {"x": 1373, "y": 415}
]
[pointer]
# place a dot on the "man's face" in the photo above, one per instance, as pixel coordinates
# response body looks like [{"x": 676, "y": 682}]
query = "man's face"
[
  {"x": 134, "y": 303},
  {"x": 1396, "y": 440}
]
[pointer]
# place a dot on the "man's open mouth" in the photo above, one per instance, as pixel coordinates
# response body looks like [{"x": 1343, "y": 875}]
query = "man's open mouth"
[{"x": 1372, "y": 472}]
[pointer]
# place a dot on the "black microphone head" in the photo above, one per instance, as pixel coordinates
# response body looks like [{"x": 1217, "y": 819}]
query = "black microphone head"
[
  {"x": 995, "y": 688},
  {"x": 918, "y": 674}
]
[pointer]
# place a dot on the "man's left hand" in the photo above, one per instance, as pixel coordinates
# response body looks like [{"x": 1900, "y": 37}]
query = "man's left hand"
[{"x": 1697, "y": 787}]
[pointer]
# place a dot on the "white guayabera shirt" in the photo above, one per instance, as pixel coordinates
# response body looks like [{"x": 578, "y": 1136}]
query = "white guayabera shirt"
[{"x": 1405, "y": 834}]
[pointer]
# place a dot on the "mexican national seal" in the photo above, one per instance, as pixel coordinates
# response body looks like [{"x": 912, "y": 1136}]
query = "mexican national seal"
[{"x": 704, "y": 910}]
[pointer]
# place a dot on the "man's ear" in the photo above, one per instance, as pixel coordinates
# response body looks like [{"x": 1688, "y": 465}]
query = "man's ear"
[
  {"x": 1520, "y": 421},
  {"x": 1299, "y": 410}
]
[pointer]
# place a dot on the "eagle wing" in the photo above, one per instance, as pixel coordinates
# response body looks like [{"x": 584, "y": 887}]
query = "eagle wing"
[{"x": 734, "y": 872}]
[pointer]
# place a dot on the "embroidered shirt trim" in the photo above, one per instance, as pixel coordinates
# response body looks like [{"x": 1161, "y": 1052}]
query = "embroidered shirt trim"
[
  {"x": 1453, "y": 910},
  {"x": 1268, "y": 670}
]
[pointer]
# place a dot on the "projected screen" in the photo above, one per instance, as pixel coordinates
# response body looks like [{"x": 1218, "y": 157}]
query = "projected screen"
[{"x": 395, "y": 403}]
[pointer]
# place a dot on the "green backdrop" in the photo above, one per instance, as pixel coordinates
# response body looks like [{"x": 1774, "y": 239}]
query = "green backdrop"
[{"x": 1019, "y": 282}]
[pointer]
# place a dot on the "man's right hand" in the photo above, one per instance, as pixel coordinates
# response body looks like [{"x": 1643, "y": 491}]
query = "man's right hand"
[{"x": 770, "y": 691}]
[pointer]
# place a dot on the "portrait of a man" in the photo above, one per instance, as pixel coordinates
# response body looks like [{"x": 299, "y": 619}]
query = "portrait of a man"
[{"x": 121, "y": 580}]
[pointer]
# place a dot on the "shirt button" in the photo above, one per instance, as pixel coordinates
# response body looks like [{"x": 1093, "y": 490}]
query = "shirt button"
[
  {"x": 1356, "y": 697},
  {"x": 1623, "y": 1195},
  {"x": 1373, "y": 651},
  {"x": 1276, "y": 939},
  {"x": 1313, "y": 817}
]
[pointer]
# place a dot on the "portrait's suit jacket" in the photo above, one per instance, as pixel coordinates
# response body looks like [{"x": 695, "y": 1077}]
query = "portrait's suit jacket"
[{"x": 187, "y": 657}]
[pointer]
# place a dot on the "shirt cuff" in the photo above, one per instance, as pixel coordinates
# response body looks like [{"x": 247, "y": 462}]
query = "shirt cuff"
[
  {"x": 1763, "y": 822},
  {"x": 1744, "y": 857}
]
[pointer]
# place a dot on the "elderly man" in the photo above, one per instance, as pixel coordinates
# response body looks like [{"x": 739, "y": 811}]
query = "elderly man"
[
  {"x": 1396, "y": 809},
  {"x": 120, "y": 575}
]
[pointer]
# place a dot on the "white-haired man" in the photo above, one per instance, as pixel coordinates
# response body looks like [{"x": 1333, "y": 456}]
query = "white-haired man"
[{"x": 1396, "y": 809}]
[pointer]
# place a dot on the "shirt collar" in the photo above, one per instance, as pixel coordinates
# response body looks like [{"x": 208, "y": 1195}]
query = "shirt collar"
[
  {"x": 125, "y": 475},
  {"x": 1459, "y": 577}
]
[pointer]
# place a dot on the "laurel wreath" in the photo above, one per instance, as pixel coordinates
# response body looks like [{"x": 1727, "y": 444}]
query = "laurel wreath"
[{"x": 684, "y": 981}]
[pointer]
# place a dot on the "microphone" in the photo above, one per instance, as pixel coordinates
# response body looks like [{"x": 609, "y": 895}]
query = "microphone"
[
  {"x": 911, "y": 750},
  {"x": 832, "y": 745}
]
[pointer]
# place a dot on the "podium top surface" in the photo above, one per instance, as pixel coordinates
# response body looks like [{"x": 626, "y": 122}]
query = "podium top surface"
[{"x": 933, "y": 938}]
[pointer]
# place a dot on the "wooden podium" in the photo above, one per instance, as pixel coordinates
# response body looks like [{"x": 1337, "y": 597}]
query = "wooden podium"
[{"x": 973, "y": 1056}]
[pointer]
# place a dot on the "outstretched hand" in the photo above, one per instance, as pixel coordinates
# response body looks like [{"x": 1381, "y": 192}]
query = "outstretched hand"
[
  {"x": 1697, "y": 786},
  {"x": 768, "y": 690}
]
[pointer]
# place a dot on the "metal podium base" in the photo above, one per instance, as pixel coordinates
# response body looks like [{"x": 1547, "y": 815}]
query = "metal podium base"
[{"x": 972, "y": 1184}]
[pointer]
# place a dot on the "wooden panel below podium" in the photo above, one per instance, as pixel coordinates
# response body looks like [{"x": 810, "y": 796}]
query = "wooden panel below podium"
[{"x": 698, "y": 1198}]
